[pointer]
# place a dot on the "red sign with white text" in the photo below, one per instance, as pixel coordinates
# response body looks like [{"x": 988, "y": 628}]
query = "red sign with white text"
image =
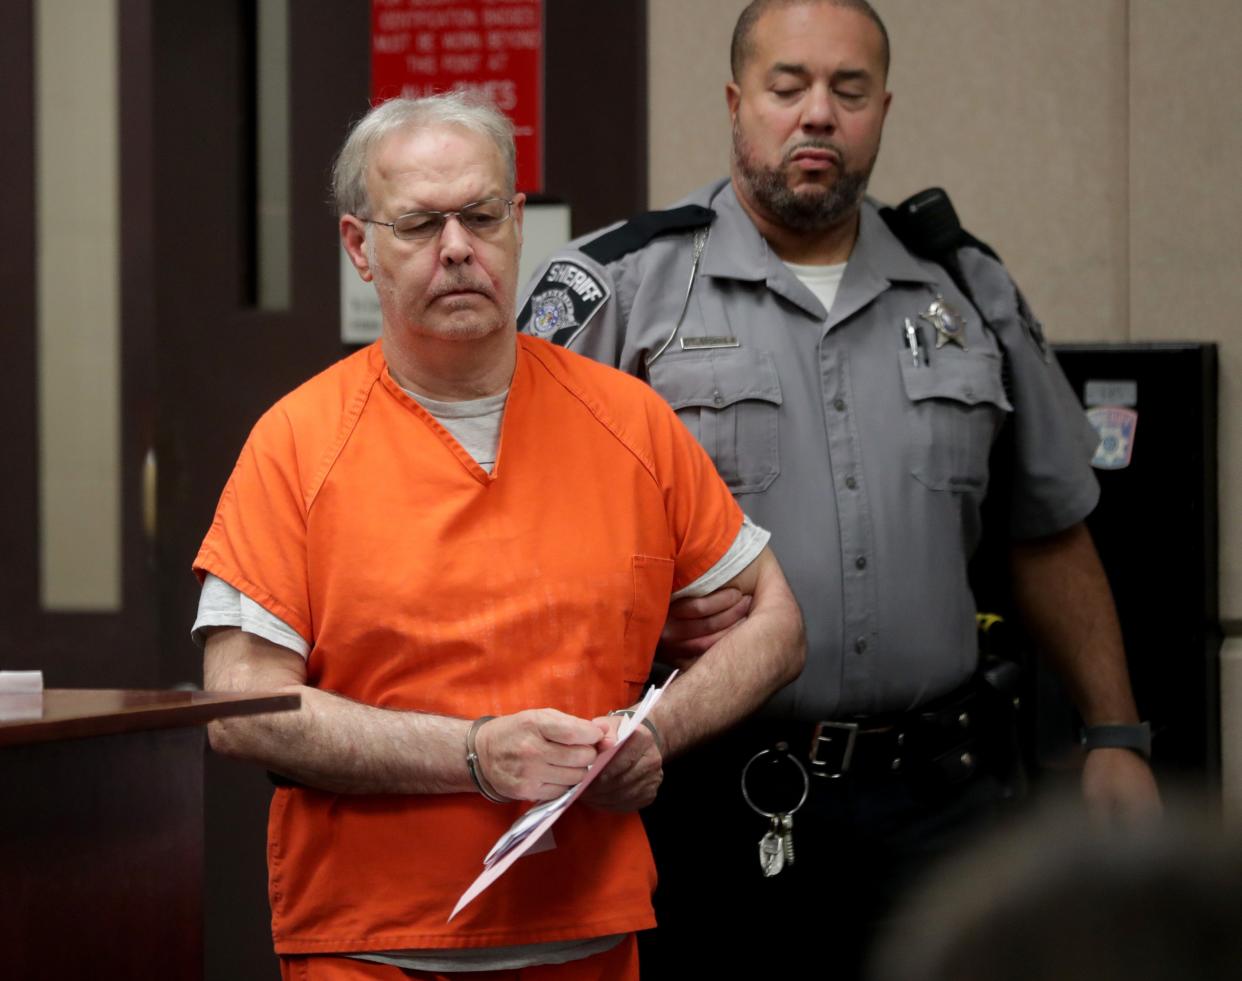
[{"x": 419, "y": 47}]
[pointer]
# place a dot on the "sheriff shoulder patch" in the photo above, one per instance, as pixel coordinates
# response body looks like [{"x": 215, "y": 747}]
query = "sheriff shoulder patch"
[
  {"x": 1116, "y": 427},
  {"x": 563, "y": 302}
]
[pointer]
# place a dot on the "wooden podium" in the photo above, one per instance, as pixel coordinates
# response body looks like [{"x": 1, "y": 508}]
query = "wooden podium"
[{"x": 101, "y": 833}]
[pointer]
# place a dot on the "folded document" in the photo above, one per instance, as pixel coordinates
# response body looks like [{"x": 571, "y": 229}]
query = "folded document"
[
  {"x": 21, "y": 695},
  {"x": 525, "y": 834}
]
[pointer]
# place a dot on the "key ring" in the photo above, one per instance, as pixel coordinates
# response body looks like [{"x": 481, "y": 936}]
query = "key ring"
[{"x": 806, "y": 780}]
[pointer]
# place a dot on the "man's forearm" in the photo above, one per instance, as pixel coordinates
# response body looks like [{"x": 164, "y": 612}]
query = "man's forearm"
[
  {"x": 1064, "y": 597},
  {"x": 335, "y": 744},
  {"x": 330, "y": 743},
  {"x": 741, "y": 670}
]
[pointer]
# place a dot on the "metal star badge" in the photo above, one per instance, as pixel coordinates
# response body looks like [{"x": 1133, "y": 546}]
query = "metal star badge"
[{"x": 949, "y": 324}]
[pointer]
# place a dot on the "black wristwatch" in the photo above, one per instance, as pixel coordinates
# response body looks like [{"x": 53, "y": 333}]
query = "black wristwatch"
[{"x": 1132, "y": 737}]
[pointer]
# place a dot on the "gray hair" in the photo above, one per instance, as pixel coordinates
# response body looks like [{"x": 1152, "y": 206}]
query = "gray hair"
[{"x": 468, "y": 110}]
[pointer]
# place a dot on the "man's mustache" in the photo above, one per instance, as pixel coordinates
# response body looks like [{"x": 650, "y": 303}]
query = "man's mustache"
[
  {"x": 458, "y": 283},
  {"x": 815, "y": 144}
]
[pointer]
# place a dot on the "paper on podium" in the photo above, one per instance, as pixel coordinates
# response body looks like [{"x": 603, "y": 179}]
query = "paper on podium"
[
  {"x": 526, "y": 832},
  {"x": 21, "y": 695}
]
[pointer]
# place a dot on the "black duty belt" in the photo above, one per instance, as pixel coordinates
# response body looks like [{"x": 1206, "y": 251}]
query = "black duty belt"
[{"x": 943, "y": 736}]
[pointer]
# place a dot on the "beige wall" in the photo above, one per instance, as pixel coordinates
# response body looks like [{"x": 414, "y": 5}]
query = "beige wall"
[
  {"x": 688, "y": 65},
  {"x": 1186, "y": 213},
  {"x": 1095, "y": 145}
]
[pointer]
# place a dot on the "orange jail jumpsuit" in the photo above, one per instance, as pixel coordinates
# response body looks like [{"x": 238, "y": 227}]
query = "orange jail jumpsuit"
[{"x": 422, "y": 583}]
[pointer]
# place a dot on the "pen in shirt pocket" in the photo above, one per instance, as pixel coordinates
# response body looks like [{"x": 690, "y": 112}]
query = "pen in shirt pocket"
[{"x": 914, "y": 341}]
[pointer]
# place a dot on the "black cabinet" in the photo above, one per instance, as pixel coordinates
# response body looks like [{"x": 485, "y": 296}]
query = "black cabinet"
[{"x": 1156, "y": 530}]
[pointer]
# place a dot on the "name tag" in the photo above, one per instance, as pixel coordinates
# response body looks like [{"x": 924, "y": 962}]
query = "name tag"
[{"x": 706, "y": 343}]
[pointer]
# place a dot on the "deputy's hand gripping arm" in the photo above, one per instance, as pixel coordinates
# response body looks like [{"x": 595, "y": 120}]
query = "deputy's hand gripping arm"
[{"x": 736, "y": 675}]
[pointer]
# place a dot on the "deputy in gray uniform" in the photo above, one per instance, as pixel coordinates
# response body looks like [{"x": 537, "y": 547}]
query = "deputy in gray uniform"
[{"x": 850, "y": 392}]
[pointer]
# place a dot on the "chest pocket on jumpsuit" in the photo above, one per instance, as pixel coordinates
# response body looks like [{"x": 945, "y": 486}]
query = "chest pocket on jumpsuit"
[
  {"x": 729, "y": 400},
  {"x": 957, "y": 405}
]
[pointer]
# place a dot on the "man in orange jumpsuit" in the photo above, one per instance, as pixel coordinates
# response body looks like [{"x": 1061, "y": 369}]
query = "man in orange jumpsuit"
[{"x": 459, "y": 545}]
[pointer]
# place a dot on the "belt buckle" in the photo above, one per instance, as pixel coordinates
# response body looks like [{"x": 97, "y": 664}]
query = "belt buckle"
[{"x": 838, "y": 738}]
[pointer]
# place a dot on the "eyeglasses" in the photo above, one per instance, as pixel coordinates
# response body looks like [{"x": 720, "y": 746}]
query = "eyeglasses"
[{"x": 478, "y": 218}]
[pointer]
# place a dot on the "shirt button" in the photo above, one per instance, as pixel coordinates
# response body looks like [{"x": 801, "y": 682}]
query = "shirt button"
[
  {"x": 860, "y": 562},
  {"x": 860, "y": 645},
  {"x": 716, "y": 398},
  {"x": 839, "y": 405},
  {"x": 851, "y": 483},
  {"x": 969, "y": 393}
]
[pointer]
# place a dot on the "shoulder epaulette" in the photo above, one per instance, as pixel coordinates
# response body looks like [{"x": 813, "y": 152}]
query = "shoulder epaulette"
[{"x": 641, "y": 229}]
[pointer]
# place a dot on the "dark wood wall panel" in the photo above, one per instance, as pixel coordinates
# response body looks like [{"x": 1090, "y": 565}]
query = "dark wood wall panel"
[
  {"x": 73, "y": 649},
  {"x": 19, "y": 580},
  {"x": 595, "y": 102},
  {"x": 136, "y": 632}
]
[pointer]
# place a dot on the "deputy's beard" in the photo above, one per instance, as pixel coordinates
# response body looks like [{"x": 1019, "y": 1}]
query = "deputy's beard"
[{"x": 812, "y": 209}]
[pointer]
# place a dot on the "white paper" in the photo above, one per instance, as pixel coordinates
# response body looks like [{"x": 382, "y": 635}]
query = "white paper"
[
  {"x": 21, "y": 695},
  {"x": 527, "y": 835},
  {"x": 13, "y": 682}
]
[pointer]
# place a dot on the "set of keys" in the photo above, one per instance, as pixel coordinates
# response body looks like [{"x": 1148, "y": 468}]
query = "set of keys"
[{"x": 776, "y": 847}]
